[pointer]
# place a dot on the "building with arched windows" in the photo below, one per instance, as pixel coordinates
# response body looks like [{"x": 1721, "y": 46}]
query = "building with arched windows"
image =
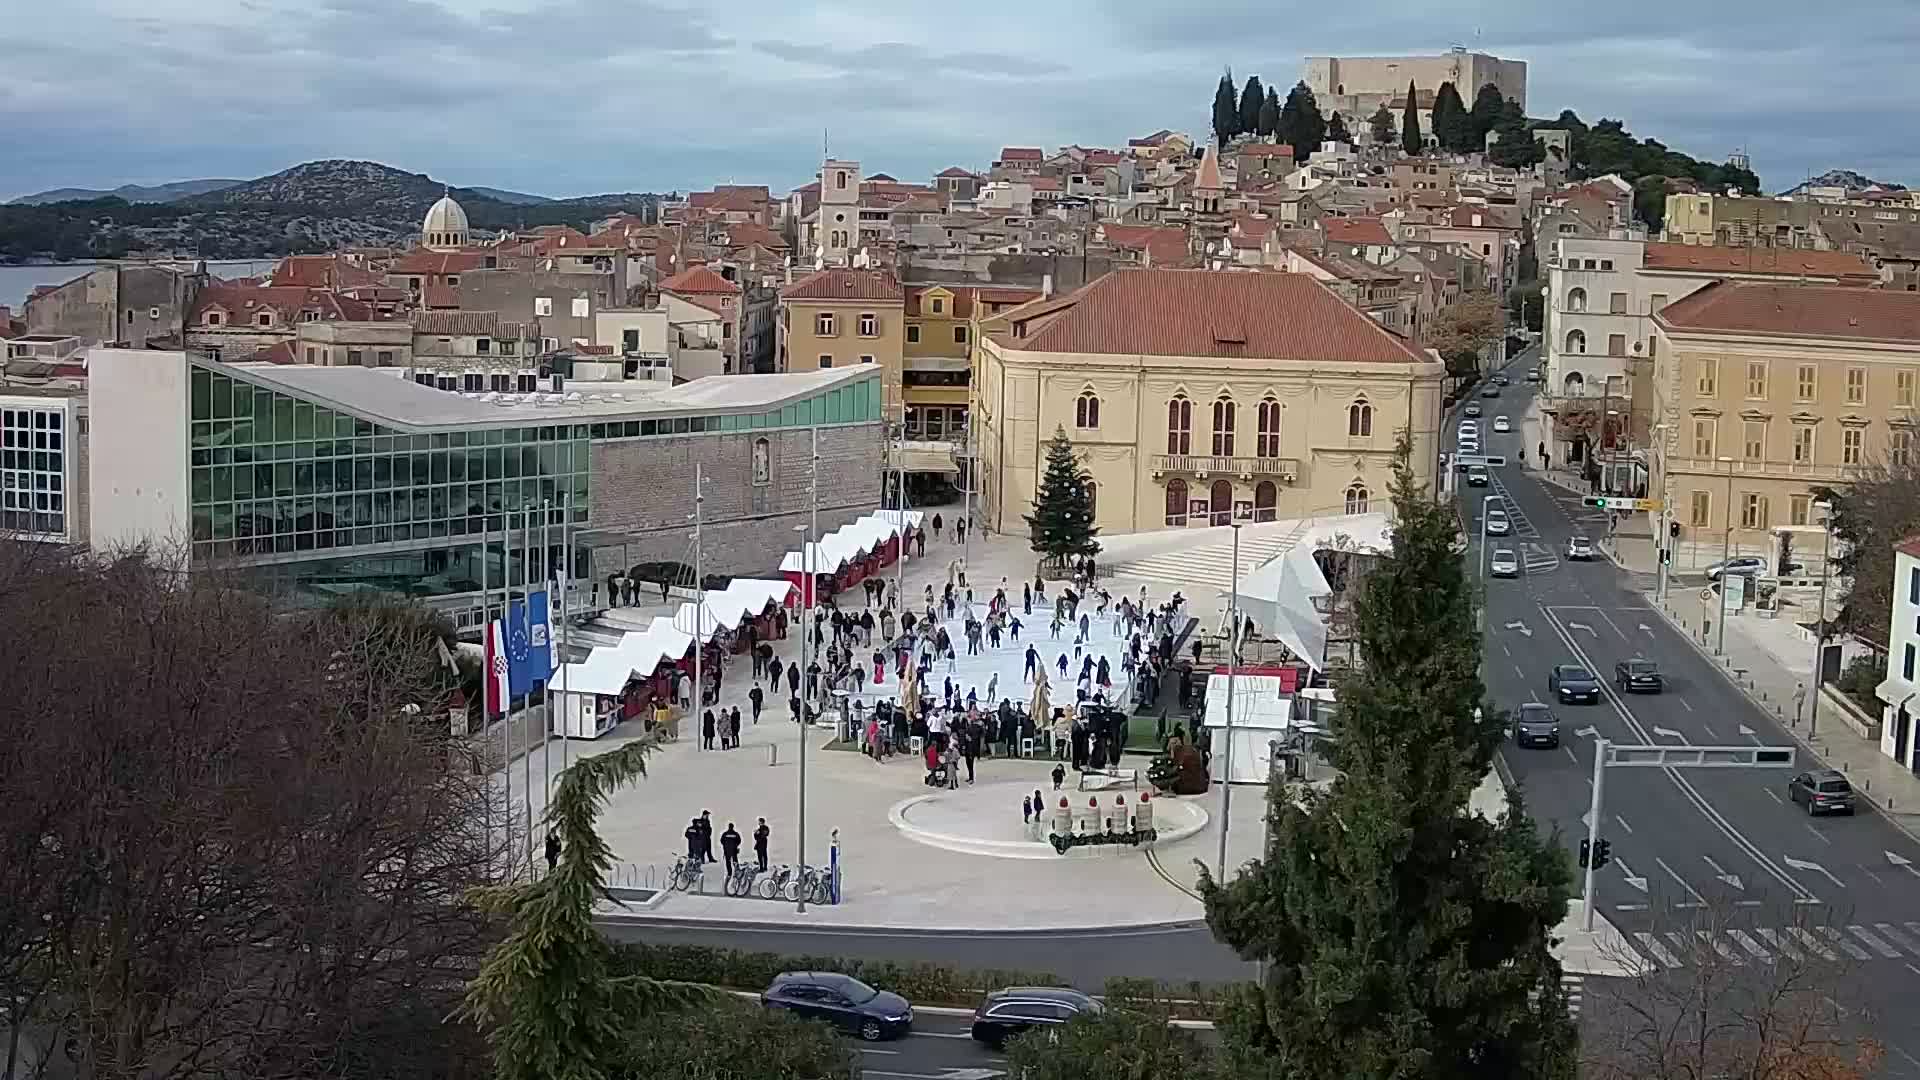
[{"x": 1197, "y": 396}]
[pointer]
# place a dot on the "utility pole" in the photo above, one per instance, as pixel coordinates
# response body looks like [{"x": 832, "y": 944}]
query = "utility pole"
[
  {"x": 699, "y": 613},
  {"x": 1226, "y": 757},
  {"x": 806, "y": 637}
]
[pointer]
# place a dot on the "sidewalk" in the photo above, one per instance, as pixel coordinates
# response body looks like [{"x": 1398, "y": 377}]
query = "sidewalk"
[{"x": 1771, "y": 680}]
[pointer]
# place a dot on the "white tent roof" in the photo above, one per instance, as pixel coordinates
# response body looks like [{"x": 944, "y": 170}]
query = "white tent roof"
[
  {"x": 1279, "y": 595},
  {"x": 853, "y": 540},
  {"x": 607, "y": 668},
  {"x": 1256, "y": 703}
]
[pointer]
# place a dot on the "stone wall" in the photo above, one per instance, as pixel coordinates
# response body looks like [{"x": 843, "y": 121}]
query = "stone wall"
[{"x": 642, "y": 489}]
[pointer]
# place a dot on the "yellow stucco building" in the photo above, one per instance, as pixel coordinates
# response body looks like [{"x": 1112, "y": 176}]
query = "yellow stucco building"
[
  {"x": 839, "y": 318},
  {"x": 1193, "y": 394}
]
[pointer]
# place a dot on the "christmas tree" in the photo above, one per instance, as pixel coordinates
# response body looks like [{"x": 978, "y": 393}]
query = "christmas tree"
[{"x": 1062, "y": 518}]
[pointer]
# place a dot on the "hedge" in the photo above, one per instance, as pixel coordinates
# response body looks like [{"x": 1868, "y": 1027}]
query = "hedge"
[{"x": 923, "y": 984}]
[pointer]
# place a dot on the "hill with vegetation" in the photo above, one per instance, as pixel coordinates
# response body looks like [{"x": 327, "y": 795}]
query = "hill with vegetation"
[{"x": 313, "y": 207}]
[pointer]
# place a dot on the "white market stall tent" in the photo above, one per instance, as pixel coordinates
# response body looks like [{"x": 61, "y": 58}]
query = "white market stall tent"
[{"x": 1261, "y": 716}]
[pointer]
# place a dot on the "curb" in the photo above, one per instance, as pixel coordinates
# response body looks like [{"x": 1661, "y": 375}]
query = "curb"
[
  {"x": 1764, "y": 705},
  {"x": 700, "y": 922}
]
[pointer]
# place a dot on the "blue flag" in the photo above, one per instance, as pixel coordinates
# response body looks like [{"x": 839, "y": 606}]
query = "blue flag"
[{"x": 529, "y": 655}]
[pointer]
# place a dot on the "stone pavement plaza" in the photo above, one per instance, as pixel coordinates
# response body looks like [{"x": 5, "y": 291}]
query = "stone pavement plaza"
[{"x": 890, "y": 879}]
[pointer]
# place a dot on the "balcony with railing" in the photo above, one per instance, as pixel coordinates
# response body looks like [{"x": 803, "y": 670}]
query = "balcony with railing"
[
  {"x": 1286, "y": 470},
  {"x": 1769, "y": 469}
]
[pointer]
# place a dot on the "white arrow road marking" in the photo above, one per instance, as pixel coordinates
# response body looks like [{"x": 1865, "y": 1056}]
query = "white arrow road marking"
[
  {"x": 1747, "y": 732},
  {"x": 1802, "y": 864},
  {"x": 1648, "y": 630},
  {"x": 1520, "y": 626},
  {"x": 1635, "y": 882},
  {"x": 1719, "y": 872},
  {"x": 1586, "y": 732},
  {"x": 1583, "y": 626},
  {"x": 1903, "y": 863},
  {"x": 1667, "y": 733},
  {"x": 1698, "y": 900}
]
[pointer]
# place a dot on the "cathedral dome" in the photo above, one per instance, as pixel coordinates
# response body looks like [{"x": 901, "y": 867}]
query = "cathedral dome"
[{"x": 445, "y": 225}]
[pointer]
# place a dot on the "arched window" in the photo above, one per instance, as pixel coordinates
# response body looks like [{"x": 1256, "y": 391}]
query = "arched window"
[
  {"x": 1180, "y": 425},
  {"x": 1357, "y": 497},
  {"x": 1576, "y": 383},
  {"x": 1224, "y": 414},
  {"x": 1360, "y": 419},
  {"x": 1086, "y": 410},
  {"x": 1576, "y": 299},
  {"x": 1266, "y": 442},
  {"x": 1266, "y": 500},
  {"x": 1576, "y": 341},
  {"x": 1220, "y": 503},
  {"x": 1176, "y": 502}
]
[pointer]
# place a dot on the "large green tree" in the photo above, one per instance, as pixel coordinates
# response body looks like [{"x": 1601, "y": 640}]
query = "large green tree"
[
  {"x": 1270, "y": 113},
  {"x": 1515, "y": 148},
  {"x": 1062, "y": 518},
  {"x": 1487, "y": 103},
  {"x": 1381, "y": 122},
  {"x": 1403, "y": 936},
  {"x": 1337, "y": 130},
  {"x": 1451, "y": 124},
  {"x": 1870, "y": 515},
  {"x": 1410, "y": 138},
  {"x": 1226, "y": 110},
  {"x": 1117, "y": 1043},
  {"x": 1251, "y": 98},
  {"x": 1301, "y": 125}
]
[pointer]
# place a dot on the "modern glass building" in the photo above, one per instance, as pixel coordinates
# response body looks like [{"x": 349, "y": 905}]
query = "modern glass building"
[{"x": 320, "y": 482}]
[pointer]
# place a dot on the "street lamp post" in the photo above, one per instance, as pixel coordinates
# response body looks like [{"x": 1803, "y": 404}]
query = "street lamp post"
[
  {"x": 1820, "y": 614},
  {"x": 1726, "y": 554},
  {"x": 1233, "y": 657}
]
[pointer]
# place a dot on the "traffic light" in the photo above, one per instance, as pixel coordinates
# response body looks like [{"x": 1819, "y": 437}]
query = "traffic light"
[
  {"x": 1608, "y": 502},
  {"x": 1601, "y": 853},
  {"x": 1584, "y": 852}
]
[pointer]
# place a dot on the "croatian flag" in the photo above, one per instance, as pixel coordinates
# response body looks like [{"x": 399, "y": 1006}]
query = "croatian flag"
[{"x": 495, "y": 676}]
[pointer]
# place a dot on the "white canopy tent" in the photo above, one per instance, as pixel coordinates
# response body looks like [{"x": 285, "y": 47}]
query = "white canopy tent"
[
  {"x": 1279, "y": 595},
  {"x": 1260, "y": 716}
]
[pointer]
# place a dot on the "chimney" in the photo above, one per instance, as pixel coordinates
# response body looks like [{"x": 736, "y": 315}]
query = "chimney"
[{"x": 1046, "y": 285}]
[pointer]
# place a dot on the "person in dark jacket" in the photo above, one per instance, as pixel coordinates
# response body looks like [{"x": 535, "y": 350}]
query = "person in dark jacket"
[
  {"x": 754, "y": 701},
  {"x": 706, "y": 730},
  {"x": 760, "y": 836},
  {"x": 693, "y": 840},
  {"x": 730, "y": 847},
  {"x": 793, "y": 678},
  {"x": 706, "y": 836}
]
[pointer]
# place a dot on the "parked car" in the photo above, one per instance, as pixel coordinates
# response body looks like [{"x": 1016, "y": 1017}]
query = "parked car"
[
  {"x": 1491, "y": 390},
  {"x": 1017, "y": 1009},
  {"x": 1579, "y": 548},
  {"x": 1472, "y": 409},
  {"x": 1501, "y": 425},
  {"x": 1497, "y": 522},
  {"x": 1748, "y": 565},
  {"x": 1638, "y": 676},
  {"x": 1535, "y": 725},
  {"x": 1476, "y": 474},
  {"x": 841, "y": 1000},
  {"x": 1571, "y": 682},
  {"x": 1824, "y": 791},
  {"x": 1503, "y": 563}
]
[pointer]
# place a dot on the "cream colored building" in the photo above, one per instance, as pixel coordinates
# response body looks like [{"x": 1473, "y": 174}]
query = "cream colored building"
[
  {"x": 1195, "y": 394},
  {"x": 1768, "y": 390},
  {"x": 839, "y": 318}
]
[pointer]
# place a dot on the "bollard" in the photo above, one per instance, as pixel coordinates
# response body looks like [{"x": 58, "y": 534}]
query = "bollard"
[{"x": 773, "y": 753}]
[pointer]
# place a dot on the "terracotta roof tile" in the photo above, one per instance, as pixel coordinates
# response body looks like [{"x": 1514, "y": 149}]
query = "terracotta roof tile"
[
  {"x": 699, "y": 280},
  {"x": 1265, "y": 150},
  {"x": 1358, "y": 230},
  {"x": 1797, "y": 310},
  {"x": 1210, "y": 313},
  {"x": 956, "y": 172},
  {"x": 440, "y": 295},
  {"x": 1021, "y": 153},
  {"x": 322, "y": 272},
  {"x": 288, "y": 302},
  {"x": 458, "y": 323},
  {"x": 845, "y": 285},
  {"x": 1790, "y": 262},
  {"x": 422, "y": 261},
  {"x": 1909, "y": 546}
]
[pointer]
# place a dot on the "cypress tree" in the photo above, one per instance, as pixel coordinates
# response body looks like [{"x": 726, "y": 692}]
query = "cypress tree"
[
  {"x": 1270, "y": 113},
  {"x": 1410, "y": 139},
  {"x": 1308, "y": 128},
  {"x": 1226, "y": 110},
  {"x": 1251, "y": 99},
  {"x": 1062, "y": 518},
  {"x": 1487, "y": 103},
  {"x": 1403, "y": 935},
  {"x": 1384, "y": 132},
  {"x": 1451, "y": 124}
]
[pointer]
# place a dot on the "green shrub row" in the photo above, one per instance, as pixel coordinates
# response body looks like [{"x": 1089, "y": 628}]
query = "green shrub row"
[{"x": 922, "y": 984}]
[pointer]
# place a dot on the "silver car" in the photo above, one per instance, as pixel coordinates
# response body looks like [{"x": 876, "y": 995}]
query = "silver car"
[
  {"x": 1503, "y": 563},
  {"x": 1498, "y": 523}
]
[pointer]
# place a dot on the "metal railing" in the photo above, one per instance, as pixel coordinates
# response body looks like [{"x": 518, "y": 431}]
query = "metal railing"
[{"x": 1285, "y": 468}]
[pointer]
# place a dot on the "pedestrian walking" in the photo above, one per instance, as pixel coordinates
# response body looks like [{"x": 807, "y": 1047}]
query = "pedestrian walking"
[
  {"x": 754, "y": 699},
  {"x": 760, "y": 835},
  {"x": 706, "y": 836},
  {"x": 938, "y": 524},
  {"x": 730, "y": 847},
  {"x": 733, "y": 723},
  {"x": 706, "y": 730}
]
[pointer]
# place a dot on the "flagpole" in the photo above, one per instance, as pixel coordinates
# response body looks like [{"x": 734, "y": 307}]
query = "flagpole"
[
  {"x": 810, "y": 570},
  {"x": 695, "y": 714},
  {"x": 504, "y": 687},
  {"x": 566, "y": 582},
  {"x": 486, "y": 678},
  {"x": 526, "y": 699},
  {"x": 546, "y": 685}
]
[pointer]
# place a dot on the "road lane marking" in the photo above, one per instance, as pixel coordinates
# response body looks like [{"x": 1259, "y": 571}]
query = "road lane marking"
[
  {"x": 1626, "y": 828},
  {"x": 1517, "y": 671},
  {"x": 1772, "y": 796},
  {"x": 1740, "y": 937},
  {"x": 1877, "y": 879},
  {"x": 1610, "y": 622},
  {"x": 1659, "y": 952},
  {"x": 1874, "y": 943},
  {"x": 1504, "y": 649},
  {"x": 872, "y": 1050},
  {"x": 1699, "y": 901},
  {"x": 1813, "y": 944},
  {"x": 1709, "y": 732},
  {"x": 1893, "y": 934},
  {"x": 1571, "y": 756},
  {"x": 1803, "y": 895},
  {"x": 1816, "y": 833},
  {"x": 1783, "y": 946},
  {"x": 1852, "y": 950},
  {"x": 1684, "y": 705}
]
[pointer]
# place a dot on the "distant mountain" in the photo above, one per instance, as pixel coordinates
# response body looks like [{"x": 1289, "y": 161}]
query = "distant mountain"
[
  {"x": 133, "y": 193},
  {"x": 1846, "y": 179},
  {"x": 516, "y": 198}
]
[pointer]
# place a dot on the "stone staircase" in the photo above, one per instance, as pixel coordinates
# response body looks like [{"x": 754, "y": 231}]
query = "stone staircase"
[{"x": 1209, "y": 559}]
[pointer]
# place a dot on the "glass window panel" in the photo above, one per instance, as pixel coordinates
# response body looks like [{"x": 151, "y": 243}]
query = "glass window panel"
[
  {"x": 202, "y": 486},
  {"x": 643, "y": 427},
  {"x": 323, "y": 477},
  {"x": 682, "y": 425},
  {"x": 697, "y": 424},
  {"x": 222, "y": 392},
  {"x": 202, "y": 394},
  {"x": 437, "y": 468},
  {"x": 457, "y": 466},
  {"x": 303, "y": 419},
  {"x": 241, "y": 482},
  {"x": 383, "y": 471},
  {"x": 283, "y": 478},
  {"x": 343, "y": 426},
  {"x": 222, "y": 483},
  {"x": 303, "y": 478},
  {"x": 202, "y": 433},
  {"x": 513, "y": 464}
]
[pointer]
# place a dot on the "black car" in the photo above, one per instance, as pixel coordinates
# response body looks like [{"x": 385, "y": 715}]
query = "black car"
[
  {"x": 1824, "y": 791},
  {"x": 840, "y": 1000},
  {"x": 1571, "y": 682},
  {"x": 1006, "y": 1013},
  {"x": 1535, "y": 725},
  {"x": 1638, "y": 677}
]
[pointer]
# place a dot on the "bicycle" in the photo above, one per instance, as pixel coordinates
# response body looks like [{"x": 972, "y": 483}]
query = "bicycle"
[
  {"x": 813, "y": 882},
  {"x": 687, "y": 872},
  {"x": 775, "y": 883},
  {"x": 740, "y": 882}
]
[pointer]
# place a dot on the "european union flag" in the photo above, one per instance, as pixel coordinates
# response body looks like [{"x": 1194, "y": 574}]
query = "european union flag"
[{"x": 529, "y": 654}]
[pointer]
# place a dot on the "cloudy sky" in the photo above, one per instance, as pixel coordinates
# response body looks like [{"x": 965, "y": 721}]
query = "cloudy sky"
[{"x": 570, "y": 97}]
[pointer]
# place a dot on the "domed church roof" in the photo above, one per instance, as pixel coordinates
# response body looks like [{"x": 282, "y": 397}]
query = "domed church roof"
[{"x": 445, "y": 216}]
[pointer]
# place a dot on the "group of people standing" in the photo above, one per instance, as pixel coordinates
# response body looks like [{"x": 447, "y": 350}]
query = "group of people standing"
[{"x": 699, "y": 836}]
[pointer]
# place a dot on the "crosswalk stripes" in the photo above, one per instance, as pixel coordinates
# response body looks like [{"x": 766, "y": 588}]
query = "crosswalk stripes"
[
  {"x": 1575, "y": 987},
  {"x": 1763, "y": 944}
]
